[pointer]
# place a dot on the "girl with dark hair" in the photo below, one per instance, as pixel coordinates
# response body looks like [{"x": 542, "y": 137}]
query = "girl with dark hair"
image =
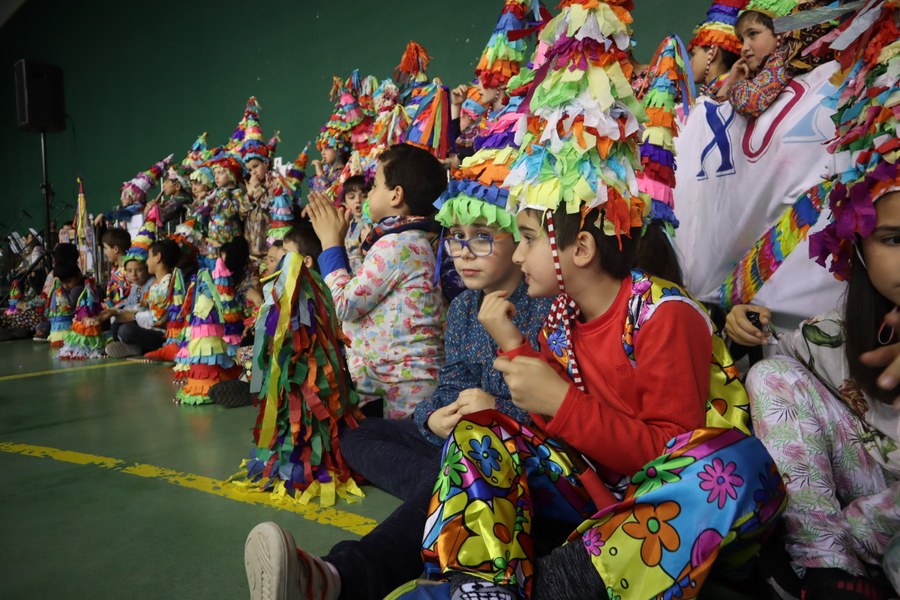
[{"x": 828, "y": 409}]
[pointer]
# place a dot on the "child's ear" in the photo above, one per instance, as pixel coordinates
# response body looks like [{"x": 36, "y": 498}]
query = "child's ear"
[
  {"x": 584, "y": 249},
  {"x": 399, "y": 198},
  {"x": 308, "y": 262}
]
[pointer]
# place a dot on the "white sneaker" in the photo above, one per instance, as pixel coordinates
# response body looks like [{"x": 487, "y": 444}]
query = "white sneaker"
[{"x": 278, "y": 570}]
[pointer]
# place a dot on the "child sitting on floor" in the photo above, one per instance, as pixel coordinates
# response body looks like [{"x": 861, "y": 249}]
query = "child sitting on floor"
[
  {"x": 391, "y": 309},
  {"x": 143, "y": 330},
  {"x": 402, "y": 456},
  {"x": 116, "y": 243}
]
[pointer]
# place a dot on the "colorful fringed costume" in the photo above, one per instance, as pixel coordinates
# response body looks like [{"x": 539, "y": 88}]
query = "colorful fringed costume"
[
  {"x": 59, "y": 312},
  {"x": 231, "y": 313},
  {"x": 305, "y": 393},
  {"x": 429, "y": 112},
  {"x": 85, "y": 339},
  {"x": 207, "y": 350},
  {"x": 182, "y": 354},
  {"x": 175, "y": 322}
]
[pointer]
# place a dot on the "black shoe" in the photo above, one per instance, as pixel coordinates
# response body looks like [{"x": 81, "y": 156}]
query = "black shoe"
[
  {"x": 231, "y": 394},
  {"x": 835, "y": 584}
]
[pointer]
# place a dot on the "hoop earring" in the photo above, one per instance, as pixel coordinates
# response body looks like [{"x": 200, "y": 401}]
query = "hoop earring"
[{"x": 885, "y": 328}]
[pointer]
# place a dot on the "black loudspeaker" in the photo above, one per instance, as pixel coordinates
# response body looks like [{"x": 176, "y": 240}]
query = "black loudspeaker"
[{"x": 40, "y": 102}]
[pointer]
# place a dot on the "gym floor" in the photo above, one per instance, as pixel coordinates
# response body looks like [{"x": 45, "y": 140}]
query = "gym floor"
[{"x": 108, "y": 489}]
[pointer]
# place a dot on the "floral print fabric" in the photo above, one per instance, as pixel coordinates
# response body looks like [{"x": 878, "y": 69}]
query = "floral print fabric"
[
  {"x": 843, "y": 499},
  {"x": 713, "y": 492},
  {"x": 393, "y": 313}
]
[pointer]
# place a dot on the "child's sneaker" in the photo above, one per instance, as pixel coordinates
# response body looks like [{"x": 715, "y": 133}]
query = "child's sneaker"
[
  {"x": 278, "y": 570},
  {"x": 122, "y": 350}
]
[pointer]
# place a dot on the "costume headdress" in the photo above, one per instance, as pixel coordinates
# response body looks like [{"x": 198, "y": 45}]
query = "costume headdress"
[
  {"x": 429, "y": 111},
  {"x": 772, "y": 8},
  {"x": 502, "y": 57},
  {"x": 413, "y": 65},
  {"x": 197, "y": 155},
  {"x": 718, "y": 28},
  {"x": 667, "y": 75},
  {"x": 15, "y": 295},
  {"x": 140, "y": 245},
  {"x": 144, "y": 181},
  {"x": 305, "y": 393},
  {"x": 253, "y": 145},
  {"x": 230, "y": 162},
  {"x": 867, "y": 124},
  {"x": 85, "y": 339}
]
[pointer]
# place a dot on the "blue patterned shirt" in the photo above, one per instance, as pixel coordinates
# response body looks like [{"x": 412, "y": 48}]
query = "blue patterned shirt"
[{"x": 470, "y": 354}]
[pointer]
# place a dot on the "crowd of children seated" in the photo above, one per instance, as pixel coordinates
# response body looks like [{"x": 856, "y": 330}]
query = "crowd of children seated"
[{"x": 581, "y": 377}]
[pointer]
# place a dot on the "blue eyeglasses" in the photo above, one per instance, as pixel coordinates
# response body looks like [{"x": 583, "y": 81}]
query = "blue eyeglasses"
[{"x": 482, "y": 245}]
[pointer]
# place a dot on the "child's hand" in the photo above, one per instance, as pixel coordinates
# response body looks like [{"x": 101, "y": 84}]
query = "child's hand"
[
  {"x": 98, "y": 220},
  {"x": 887, "y": 357},
  {"x": 739, "y": 329},
  {"x": 442, "y": 421},
  {"x": 458, "y": 94},
  {"x": 329, "y": 223},
  {"x": 533, "y": 384},
  {"x": 496, "y": 316},
  {"x": 473, "y": 400},
  {"x": 739, "y": 71},
  {"x": 317, "y": 164}
]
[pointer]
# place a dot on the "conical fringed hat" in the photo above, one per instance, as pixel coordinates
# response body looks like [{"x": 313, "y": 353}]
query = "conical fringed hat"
[
  {"x": 281, "y": 211},
  {"x": 391, "y": 122},
  {"x": 140, "y": 245},
  {"x": 306, "y": 396},
  {"x": 718, "y": 28},
  {"x": 144, "y": 181},
  {"x": 251, "y": 111},
  {"x": 502, "y": 57},
  {"x": 867, "y": 124},
  {"x": 197, "y": 155},
  {"x": 175, "y": 322},
  {"x": 208, "y": 357},
  {"x": 296, "y": 173},
  {"x": 773, "y": 8},
  {"x": 476, "y": 192},
  {"x": 15, "y": 295},
  {"x": 335, "y": 133},
  {"x": 429, "y": 111},
  {"x": 59, "y": 313},
  {"x": 85, "y": 338},
  {"x": 253, "y": 145},
  {"x": 413, "y": 65},
  {"x": 667, "y": 75},
  {"x": 580, "y": 141}
]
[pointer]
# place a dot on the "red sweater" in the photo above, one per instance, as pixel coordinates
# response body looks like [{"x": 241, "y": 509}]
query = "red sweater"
[{"x": 629, "y": 412}]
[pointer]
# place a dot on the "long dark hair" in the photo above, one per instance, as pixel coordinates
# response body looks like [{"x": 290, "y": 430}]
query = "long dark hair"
[
  {"x": 863, "y": 315},
  {"x": 237, "y": 257},
  {"x": 657, "y": 256}
]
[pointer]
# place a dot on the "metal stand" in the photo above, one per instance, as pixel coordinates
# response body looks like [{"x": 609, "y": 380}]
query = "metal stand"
[{"x": 47, "y": 192}]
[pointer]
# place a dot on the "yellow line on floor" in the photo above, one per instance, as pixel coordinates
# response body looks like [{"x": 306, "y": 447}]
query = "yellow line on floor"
[
  {"x": 69, "y": 370},
  {"x": 328, "y": 516}
]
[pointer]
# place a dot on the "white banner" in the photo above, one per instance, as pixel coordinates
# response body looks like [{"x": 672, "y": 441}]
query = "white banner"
[{"x": 737, "y": 176}]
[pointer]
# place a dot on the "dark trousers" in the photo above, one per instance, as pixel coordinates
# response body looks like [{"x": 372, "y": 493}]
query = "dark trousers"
[
  {"x": 394, "y": 456},
  {"x": 147, "y": 340}
]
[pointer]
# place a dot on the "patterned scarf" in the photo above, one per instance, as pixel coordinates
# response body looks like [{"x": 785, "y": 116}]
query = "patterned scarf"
[{"x": 395, "y": 224}]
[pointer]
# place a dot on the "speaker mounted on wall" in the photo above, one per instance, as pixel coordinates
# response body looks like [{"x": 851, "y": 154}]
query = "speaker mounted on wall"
[{"x": 40, "y": 101}]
